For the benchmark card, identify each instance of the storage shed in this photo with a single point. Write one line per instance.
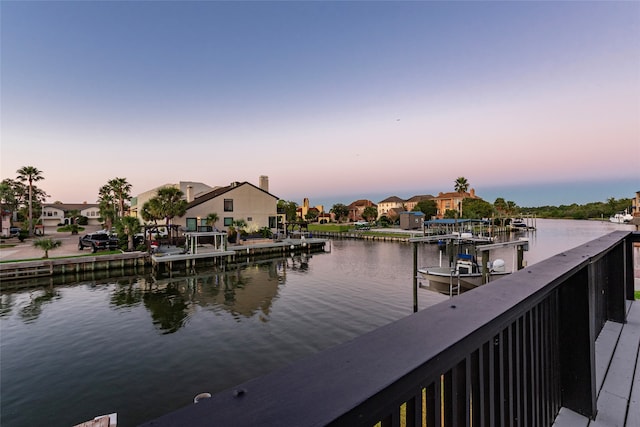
(411, 220)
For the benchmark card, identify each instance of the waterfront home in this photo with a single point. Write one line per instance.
(394, 203)
(237, 201)
(356, 209)
(59, 213)
(306, 208)
(452, 201)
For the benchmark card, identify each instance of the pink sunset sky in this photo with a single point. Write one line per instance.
(331, 100)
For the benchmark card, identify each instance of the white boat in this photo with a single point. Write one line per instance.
(517, 224)
(464, 276)
(467, 273)
(621, 218)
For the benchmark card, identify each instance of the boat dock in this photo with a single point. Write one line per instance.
(175, 258)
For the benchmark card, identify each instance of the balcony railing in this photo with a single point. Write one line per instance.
(512, 352)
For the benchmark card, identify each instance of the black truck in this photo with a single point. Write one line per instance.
(97, 241)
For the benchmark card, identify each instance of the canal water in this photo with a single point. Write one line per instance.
(142, 346)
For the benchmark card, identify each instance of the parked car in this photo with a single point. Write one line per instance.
(97, 241)
(362, 225)
(14, 231)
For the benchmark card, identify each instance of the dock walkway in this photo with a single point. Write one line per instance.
(209, 252)
(617, 376)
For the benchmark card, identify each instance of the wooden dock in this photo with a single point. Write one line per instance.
(206, 254)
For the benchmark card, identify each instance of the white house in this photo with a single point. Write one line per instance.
(54, 214)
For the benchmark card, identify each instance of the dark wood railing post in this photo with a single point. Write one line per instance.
(577, 343)
(415, 277)
(615, 286)
(628, 268)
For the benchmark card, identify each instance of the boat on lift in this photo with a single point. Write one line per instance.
(466, 272)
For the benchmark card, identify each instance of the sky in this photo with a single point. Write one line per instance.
(536, 102)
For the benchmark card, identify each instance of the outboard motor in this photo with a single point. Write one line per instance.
(498, 265)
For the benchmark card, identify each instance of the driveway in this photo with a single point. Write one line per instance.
(26, 250)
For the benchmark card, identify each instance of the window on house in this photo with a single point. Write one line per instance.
(272, 222)
(228, 205)
(228, 221)
(191, 224)
(249, 219)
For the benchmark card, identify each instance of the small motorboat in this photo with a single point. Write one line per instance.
(464, 276)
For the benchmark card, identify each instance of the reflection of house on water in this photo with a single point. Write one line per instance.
(244, 292)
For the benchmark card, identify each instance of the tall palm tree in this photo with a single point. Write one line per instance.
(168, 203)
(461, 186)
(121, 191)
(107, 206)
(30, 174)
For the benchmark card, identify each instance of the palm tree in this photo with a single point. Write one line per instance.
(30, 174)
(46, 245)
(211, 219)
(106, 202)
(171, 203)
(121, 191)
(130, 226)
(461, 186)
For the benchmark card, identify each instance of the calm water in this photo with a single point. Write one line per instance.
(143, 347)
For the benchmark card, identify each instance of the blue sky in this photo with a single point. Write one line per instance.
(332, 100)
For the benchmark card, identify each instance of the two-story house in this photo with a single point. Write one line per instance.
(237, 201)
(59, 213)
(390, 205)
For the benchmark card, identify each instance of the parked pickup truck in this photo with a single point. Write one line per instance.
(97, 241)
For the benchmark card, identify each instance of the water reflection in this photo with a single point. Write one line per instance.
(127, 295)
(38, 299)
(245, 292)
(168, 308)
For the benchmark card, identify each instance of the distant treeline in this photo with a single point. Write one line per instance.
(594, 210)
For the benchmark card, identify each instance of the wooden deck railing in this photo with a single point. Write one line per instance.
(512, 352)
